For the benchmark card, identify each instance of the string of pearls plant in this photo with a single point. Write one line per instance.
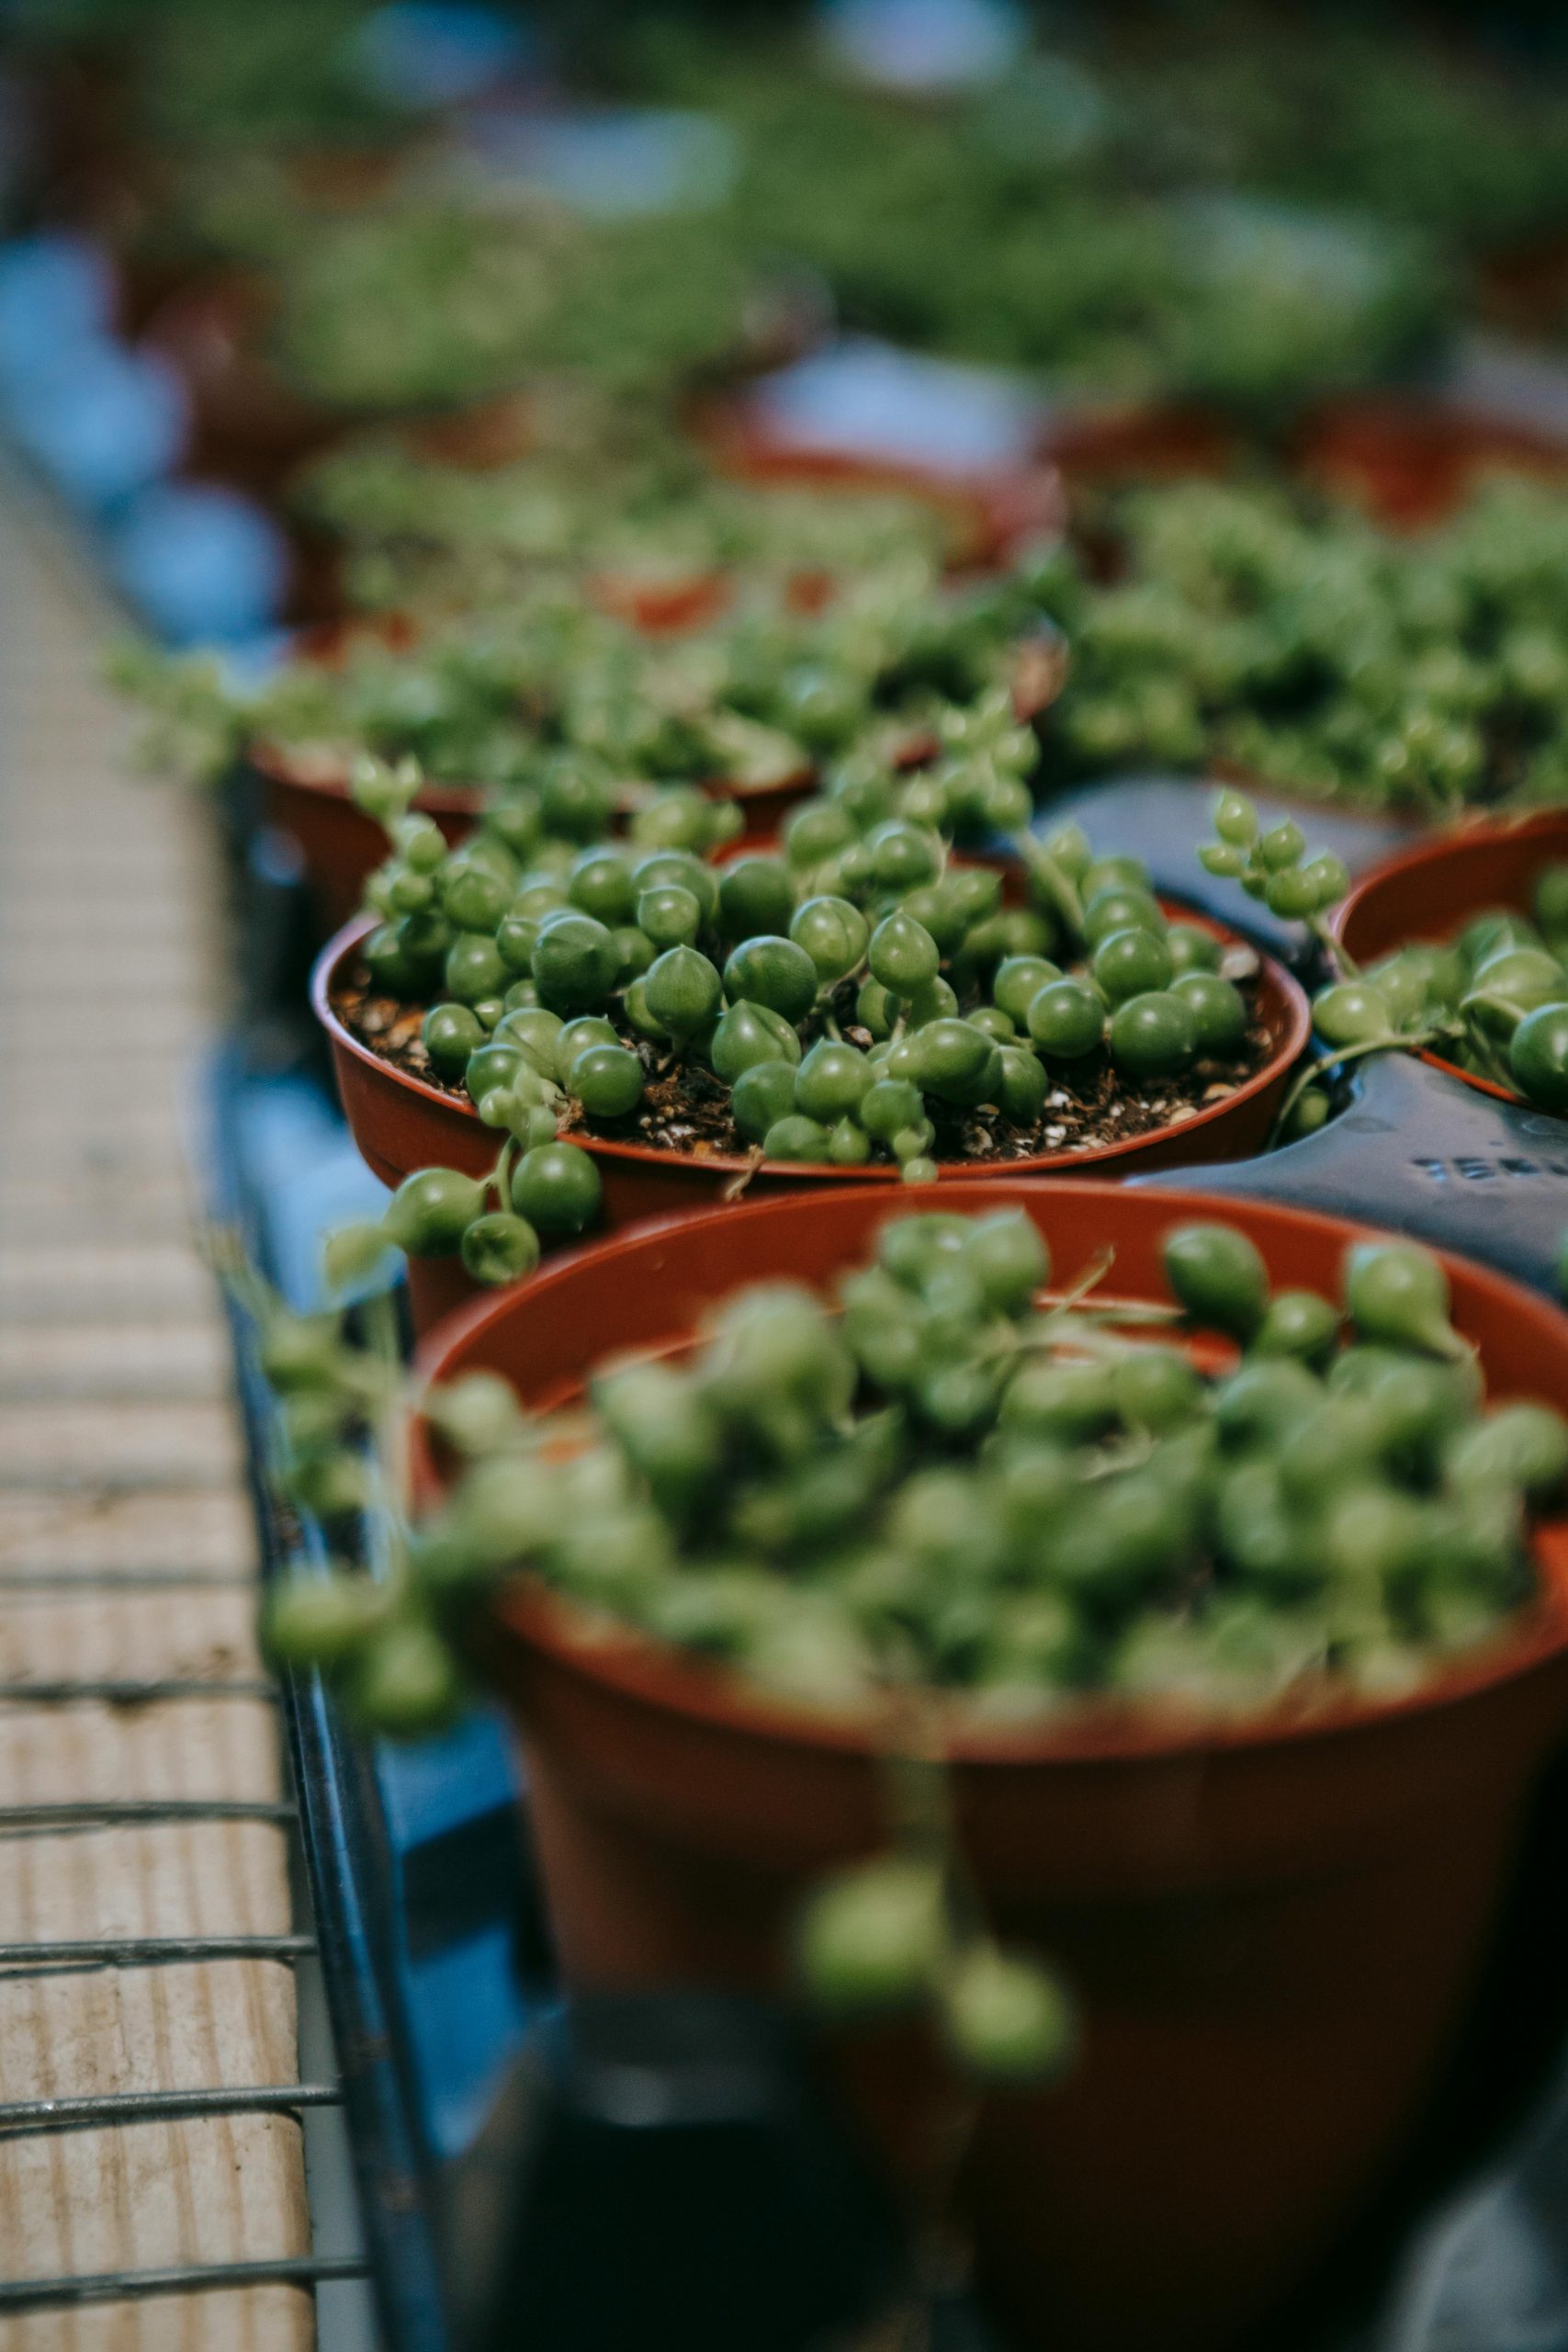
(1493, 998)
(1294, 641)
(860, 995)
(761, 686)
(948, 1496)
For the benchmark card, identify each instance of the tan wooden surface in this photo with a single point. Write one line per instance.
(119, 1459)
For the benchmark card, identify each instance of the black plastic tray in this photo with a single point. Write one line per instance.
(1162, 818)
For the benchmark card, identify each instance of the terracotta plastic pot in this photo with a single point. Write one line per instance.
(316, 592)
(307, 794)
(1432, 891)
(662, 608)
(146, 278)
(351, 177)
(1142, 443)
(994, 511)
(477, 439)
(249, 425)
(1525, 287)
(75, 114)
(1412, 463)
(309, 799)
(1409, 461)
(401, 1124)
(1273, 1926)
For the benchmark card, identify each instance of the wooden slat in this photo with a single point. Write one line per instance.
(175, 1361)
(178, 1532)
(84, 1444)
(192, 1748)
(97, 1283)
(134, 1637)
(197, 1878)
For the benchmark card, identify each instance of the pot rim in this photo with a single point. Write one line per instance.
(1429, 849)
(1092, 1733)
(1298, 1029)
(293, 770)
(1007, 501)
(1468, 427)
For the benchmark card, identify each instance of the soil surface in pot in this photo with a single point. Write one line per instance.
(685, 1109)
